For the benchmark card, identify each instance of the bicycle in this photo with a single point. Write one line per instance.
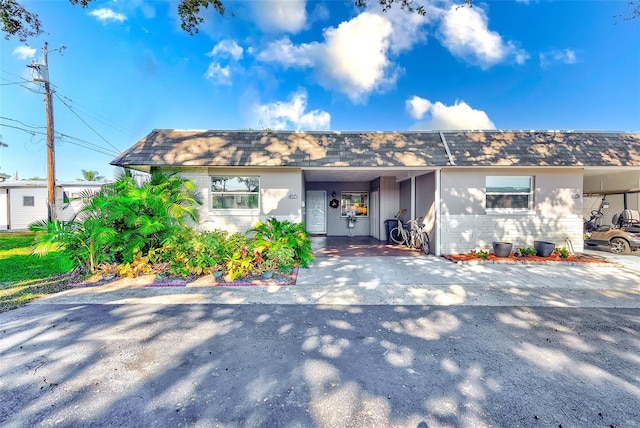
(396, 234)
(399, 234)
(418, 237)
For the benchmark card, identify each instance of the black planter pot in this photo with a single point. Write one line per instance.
(544, 249)
(502, 249)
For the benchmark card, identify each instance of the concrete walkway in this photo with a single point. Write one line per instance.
(410, 280)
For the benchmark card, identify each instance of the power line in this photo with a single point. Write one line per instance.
(22, 123)
(28, 131)
(110, 154)
(96, 115)
(15, 75)
(87, 144)
(85, 122)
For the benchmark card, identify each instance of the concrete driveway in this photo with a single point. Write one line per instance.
(353, 344)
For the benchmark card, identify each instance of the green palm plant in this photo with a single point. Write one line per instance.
(123, 219)
(274, 235)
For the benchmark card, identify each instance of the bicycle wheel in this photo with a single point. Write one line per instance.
(396, 236)
(414, 239)
(405, 236)
(426, 245)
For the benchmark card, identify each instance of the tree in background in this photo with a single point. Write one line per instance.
(18, 21)
(91, 175)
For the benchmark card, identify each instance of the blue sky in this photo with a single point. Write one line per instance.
(313, 65)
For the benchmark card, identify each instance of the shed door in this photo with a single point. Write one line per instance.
(316, 206)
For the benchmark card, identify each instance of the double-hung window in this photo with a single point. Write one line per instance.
(235, 192)
(509, 193)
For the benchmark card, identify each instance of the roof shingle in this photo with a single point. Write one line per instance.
(382, 149)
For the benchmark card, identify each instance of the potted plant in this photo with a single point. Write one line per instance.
(267, 269)
(543, 248)
(216, 271)
(502, 249)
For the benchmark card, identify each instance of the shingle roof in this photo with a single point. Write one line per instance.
(543, 148)
(381, 149)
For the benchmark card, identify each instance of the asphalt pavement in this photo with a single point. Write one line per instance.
(359, 341)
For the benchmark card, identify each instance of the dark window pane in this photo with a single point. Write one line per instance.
(242, 201)
(508, 201)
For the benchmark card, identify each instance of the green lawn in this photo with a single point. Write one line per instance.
(25, 277)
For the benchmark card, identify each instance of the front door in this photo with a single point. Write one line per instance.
(316, 204)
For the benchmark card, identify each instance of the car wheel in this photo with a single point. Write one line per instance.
(619, 246)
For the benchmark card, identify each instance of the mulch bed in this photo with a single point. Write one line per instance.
(470, 258)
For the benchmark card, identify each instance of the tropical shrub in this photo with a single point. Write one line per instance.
(275, 235)
(122, 220)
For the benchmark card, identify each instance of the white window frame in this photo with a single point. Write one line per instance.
(223, 210)
(530, 195)
(31, 198)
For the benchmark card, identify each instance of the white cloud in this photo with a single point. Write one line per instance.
(24, 52)
(354, 57)
(291, 115)
(465, 33)
(285, 53)
(417, 107)
(459, 116)
(105, 14)
(563, 56)
(227, 48)
(219, 74)
(280, 16)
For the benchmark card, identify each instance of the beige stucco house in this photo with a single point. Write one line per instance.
(471, 187)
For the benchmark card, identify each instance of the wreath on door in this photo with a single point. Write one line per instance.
(333, 203)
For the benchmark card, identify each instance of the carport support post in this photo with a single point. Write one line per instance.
(413, 197)
(438, 212)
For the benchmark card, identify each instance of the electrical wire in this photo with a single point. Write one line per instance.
(22, 123)
(85, 122)
(93, 146)
(97, 116)
(15, 75)
(67, 139)
(28, 131)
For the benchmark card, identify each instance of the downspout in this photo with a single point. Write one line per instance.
(413, 198)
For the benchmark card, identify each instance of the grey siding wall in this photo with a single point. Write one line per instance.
(426, 204)
(337, 225)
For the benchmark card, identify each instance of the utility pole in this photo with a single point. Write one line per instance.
(41, 74)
